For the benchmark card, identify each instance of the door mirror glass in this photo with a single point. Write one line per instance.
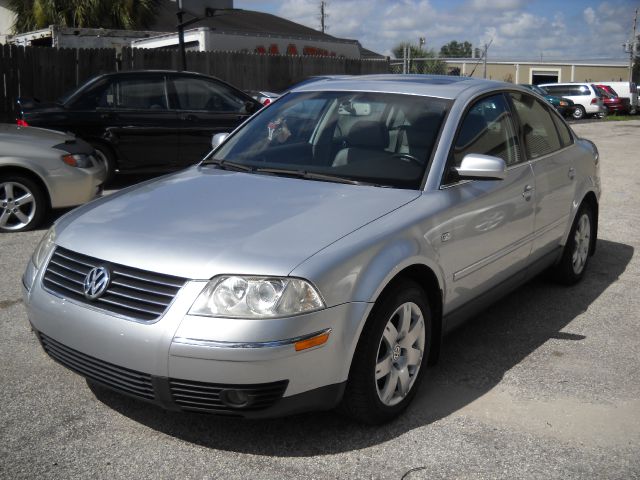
(481, 167)
(217, 139)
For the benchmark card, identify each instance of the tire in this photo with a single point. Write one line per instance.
(390, 360)
(579, 113)
(23, 204)
(575, 256)
(106, 156)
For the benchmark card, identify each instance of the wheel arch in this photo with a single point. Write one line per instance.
(427, 279)
(31, 174)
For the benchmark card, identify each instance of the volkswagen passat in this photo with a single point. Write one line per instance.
(316, 257)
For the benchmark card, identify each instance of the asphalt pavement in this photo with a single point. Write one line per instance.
(543, 385)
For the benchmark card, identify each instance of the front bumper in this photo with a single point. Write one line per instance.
(184, 362)
(71, 186)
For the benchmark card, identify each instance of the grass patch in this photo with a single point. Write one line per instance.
(621, 118)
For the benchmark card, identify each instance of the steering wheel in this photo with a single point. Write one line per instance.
(408, 157)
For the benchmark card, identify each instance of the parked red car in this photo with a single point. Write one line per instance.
(612, 101)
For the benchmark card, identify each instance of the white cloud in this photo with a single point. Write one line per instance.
(519, 28)
(590, 16)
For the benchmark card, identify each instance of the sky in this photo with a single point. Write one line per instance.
(527, 29)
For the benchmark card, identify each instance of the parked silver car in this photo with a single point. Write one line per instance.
(42, 169)
(318, 255)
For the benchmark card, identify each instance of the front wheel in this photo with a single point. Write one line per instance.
(23, 204)
(575, 256)
(390, 358)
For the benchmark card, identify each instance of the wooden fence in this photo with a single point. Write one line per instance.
(47, 73)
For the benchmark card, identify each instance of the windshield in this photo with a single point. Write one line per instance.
(380, 138)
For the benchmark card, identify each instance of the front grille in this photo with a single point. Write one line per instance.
(134, 293)
(205, 397)
(119, 378)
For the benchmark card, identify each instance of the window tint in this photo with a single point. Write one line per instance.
(487, 129)
(568, 90)
(538, 129)
(135, 93)
(200, 94)
(563, 130)
(379, 138)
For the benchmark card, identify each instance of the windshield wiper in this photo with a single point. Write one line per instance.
(227, 165)
(324, 177)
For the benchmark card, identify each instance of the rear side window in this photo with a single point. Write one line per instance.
(136, 93)
(563, 131)
(205, 95)
(487, 129)
(568, 90)
(537, 126)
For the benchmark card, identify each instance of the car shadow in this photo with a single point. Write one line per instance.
(474, 360)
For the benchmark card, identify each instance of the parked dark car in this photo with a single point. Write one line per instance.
(564, 106)
(144, 121)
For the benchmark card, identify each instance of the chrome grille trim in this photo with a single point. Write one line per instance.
(133, 294)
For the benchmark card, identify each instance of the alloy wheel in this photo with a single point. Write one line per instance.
(582, 243)
(400, 354)
(18, 206)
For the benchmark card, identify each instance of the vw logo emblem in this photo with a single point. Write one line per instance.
(96, 282)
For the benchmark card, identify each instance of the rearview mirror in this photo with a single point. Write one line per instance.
(217, 139)
(482, 167)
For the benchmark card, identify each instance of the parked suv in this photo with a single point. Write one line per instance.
(148, 121)
(585, 96)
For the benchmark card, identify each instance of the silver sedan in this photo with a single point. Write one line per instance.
(42, 169)
(319, 254)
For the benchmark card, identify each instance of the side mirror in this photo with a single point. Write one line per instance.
(482, 167)
(251, 107)
(217, 139)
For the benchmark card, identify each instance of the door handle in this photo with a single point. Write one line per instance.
(528, 192)
(190, 118)
(108, 116)
(572, 173)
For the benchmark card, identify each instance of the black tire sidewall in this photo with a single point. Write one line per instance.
(362, 375)
(564, 272)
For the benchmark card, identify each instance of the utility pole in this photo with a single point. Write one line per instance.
(323, 16)
(634, 47)
(484, 63)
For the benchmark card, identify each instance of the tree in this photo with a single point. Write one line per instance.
(454, 49)
(427, 61)
(122, 14)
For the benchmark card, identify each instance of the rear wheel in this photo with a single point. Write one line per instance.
(23, 204)
(575, 256)
(389, 360)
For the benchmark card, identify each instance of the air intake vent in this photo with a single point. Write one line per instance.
(119, 378)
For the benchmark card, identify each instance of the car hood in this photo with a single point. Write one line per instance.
(204, 221)
(32, 136)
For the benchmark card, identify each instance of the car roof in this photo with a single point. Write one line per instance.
(441, 86)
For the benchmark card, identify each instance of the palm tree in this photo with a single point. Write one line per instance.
(122, 14)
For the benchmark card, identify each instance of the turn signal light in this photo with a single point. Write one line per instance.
(312, 342)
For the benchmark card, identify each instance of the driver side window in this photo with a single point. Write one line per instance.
(487, 129)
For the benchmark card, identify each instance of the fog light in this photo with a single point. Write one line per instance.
(234, 398)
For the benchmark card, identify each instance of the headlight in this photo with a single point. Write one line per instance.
(43, 248)
(79, 160)
(256, 297)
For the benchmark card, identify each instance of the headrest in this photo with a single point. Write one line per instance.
(368, 134)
